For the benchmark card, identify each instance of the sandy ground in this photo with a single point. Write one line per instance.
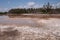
(29, 29)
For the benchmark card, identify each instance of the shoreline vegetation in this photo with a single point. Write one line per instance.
(34, 16)
(46, 9)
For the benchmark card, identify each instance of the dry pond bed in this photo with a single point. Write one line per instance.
(29, 29)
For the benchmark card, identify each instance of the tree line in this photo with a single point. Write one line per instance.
(47, 8)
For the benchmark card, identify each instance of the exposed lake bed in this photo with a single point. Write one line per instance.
(29, 28)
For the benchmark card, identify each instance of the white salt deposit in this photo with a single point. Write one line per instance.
(51, 28)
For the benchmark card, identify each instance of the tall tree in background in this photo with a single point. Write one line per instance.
(47, 8)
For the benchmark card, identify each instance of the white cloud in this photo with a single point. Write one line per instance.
(54, 6)
(31, 4)
(58, 5)
(4, 9)
(27, 5)
(8, 2)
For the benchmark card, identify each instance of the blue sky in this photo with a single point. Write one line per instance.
(8, 4)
